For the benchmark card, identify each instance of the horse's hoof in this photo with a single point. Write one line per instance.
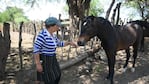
(132, 69)
(124, 69)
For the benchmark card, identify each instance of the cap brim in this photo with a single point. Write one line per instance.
(59, 24)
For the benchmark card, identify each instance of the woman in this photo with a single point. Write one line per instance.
(48, 69)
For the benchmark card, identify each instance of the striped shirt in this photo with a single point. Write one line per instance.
(46, 43)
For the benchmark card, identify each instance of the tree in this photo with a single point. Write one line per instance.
(109, 9)
(33, 3)
(78, 8)
(13, 14)
(141, 6)
(95, 8)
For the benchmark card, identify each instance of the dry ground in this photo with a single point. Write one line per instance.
(140, 76)
(71, 76)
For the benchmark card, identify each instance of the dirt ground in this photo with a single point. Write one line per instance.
(100, 71)
(72, 75)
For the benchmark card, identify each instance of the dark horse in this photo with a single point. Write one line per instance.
(112, 39)
(145, 26)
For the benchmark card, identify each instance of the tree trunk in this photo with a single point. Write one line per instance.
(113, 16)
(77, 9)
(109, 10)
(80, 58)
(142, 9)
(4, 48)
(118, 13)
(117, 8)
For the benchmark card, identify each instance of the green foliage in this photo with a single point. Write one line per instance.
(66, 8)
(95, 8)
(99, 68)
(139, 5)
(4, 17)
(33, 3)
(13, 14)
(133, 4)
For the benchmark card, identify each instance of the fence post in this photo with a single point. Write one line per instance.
(20, 47)
(4, 48)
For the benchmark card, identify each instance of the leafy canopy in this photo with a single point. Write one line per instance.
(95, 8)
(13, 14)
(142, 6)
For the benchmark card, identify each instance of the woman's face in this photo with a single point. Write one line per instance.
(57, 28)
(53, 28)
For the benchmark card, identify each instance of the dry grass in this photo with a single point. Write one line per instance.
(27, 40)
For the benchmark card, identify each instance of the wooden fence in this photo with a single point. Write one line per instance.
(67, 56)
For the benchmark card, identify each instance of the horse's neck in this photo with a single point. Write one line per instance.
(107, 33)
(105, 30)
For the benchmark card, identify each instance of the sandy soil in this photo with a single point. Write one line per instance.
(100, 71)
(72, 75)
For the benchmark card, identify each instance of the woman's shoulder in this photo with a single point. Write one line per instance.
(43, 32)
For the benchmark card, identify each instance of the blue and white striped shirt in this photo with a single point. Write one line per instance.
(46, 43)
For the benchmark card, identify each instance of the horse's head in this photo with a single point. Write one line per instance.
(88, 30)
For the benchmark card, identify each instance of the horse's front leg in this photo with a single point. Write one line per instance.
(111, 63)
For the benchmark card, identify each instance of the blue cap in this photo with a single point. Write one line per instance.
(53, 20)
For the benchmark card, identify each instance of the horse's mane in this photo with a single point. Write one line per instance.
(104, 23)
(102, 19)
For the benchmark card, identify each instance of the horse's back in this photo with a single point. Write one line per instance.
(144, 25)
(127, 35)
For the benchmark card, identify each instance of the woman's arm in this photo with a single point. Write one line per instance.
(37, 62)
(62, 43)
(70, 43)
(36, 51)
(37, 59)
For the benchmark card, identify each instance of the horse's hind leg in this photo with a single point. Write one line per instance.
(142, 45)
(127, 59)
(136, 46)
(135, 53)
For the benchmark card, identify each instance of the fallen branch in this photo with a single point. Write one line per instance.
(79, 58)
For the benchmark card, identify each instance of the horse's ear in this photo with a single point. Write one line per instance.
(92, 17)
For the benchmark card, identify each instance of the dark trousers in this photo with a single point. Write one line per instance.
(54, 82)
(51, 71)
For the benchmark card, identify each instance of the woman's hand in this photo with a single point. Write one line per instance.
(38, 63)
(73, 44)
(39, 67)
